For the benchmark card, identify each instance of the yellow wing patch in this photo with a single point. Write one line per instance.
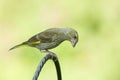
(37, 42)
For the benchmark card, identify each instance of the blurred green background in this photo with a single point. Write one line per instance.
(95, 57)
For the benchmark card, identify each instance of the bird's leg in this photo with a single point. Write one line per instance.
(43, 51)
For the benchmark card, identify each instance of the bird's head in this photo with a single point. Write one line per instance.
(72, 36)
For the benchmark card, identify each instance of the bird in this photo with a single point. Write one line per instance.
(51, 38)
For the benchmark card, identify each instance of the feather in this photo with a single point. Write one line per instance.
(37, 42)
(24, 43)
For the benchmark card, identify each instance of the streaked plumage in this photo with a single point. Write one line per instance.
(51, 38)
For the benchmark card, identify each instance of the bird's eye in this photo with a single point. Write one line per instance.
(75, 37)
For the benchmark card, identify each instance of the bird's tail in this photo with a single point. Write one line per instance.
(24, 43)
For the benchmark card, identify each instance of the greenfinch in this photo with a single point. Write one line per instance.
(51, 38)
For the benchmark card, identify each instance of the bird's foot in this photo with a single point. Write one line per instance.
(43, 51)
(52, 55)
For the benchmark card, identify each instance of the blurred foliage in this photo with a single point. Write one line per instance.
(96, 56)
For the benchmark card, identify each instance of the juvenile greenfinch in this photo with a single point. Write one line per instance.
(51, 38)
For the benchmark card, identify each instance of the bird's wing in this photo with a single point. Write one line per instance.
(47, 36)
(44, 37)
(34, 40)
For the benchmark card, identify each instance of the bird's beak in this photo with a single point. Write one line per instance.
(73, 42)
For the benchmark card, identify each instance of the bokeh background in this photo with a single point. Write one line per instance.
(95, 57)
